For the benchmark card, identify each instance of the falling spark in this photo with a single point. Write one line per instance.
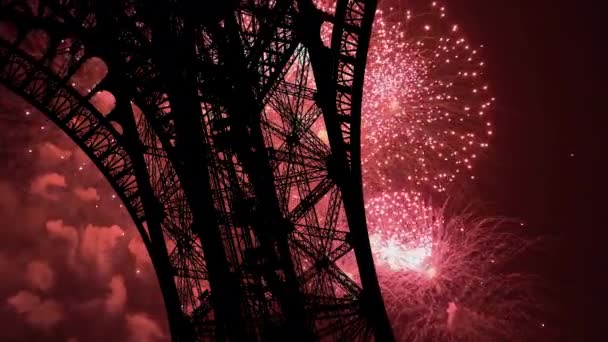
(425, 103)
(443, 275)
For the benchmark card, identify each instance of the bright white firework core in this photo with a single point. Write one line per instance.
(400, 257)
(402, 233)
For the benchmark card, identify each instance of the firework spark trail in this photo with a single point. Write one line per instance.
(442, 276)
(425, 103)
(424, 123)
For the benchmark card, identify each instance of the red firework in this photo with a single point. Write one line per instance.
(444, 278)
(425, 102)
(424, 123)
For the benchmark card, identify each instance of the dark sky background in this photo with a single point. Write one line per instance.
(545, 63)
(546, 60)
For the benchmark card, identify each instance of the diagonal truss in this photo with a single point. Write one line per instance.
(233, 140)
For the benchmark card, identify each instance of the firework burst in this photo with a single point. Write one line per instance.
(425, 103)
(424, 123)
(447, 278)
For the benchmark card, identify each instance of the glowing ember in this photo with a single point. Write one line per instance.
(424, 124)
(400, 231)
(400, 257)
(425, 103)
(440, 275)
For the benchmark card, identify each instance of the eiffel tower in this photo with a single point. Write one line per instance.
(233, 139)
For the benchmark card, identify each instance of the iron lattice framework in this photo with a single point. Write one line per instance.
(233, 140)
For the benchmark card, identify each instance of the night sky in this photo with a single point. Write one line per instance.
(546, 63)
(72, 265)
(67, 270)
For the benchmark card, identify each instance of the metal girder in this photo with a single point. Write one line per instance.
(216, 147)
(339, 72)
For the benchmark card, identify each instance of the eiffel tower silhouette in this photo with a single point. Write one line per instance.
(231, 132)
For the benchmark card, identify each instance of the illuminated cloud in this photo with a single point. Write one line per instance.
(96, 245)
(104, 101)
(87, 194)
(46, 315)
(24, 301)
(80, 158)
(138, 250)
(41, 314)
(52, 153)
(69, 284)
(39, 275)
(143, 329)
(93, 244)
(117, 298)
(41, 184)
(57, 229)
